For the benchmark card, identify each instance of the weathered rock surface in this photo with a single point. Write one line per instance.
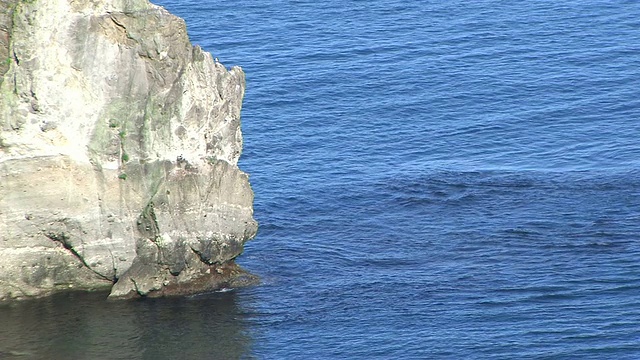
(119, 145)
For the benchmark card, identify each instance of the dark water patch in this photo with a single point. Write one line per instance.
(86, 325)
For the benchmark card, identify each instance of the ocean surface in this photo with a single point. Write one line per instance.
(433, 180)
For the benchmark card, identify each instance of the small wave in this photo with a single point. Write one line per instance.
(10, 354)
(523, 232)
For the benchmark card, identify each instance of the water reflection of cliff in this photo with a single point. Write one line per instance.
(85, 326)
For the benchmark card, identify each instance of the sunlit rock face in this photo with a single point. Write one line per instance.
(119, 144)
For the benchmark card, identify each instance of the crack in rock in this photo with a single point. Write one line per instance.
(63, 239)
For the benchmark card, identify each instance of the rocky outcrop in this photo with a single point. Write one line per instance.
(119, 146)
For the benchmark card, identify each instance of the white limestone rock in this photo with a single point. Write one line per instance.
(119, 144)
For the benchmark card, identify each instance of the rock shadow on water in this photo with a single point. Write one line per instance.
(80, 325)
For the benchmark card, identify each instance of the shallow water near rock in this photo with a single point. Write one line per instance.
(84, 326)
(432, 180)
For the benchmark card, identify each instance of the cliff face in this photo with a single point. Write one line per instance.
(119, 145)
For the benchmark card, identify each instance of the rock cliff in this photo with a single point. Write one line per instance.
(119, 144)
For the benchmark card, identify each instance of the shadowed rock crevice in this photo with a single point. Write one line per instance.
(63, 239)
(148, 224)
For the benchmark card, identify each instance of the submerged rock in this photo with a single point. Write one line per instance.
(119, 145)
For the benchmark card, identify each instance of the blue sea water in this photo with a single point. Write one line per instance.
(433, 179)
